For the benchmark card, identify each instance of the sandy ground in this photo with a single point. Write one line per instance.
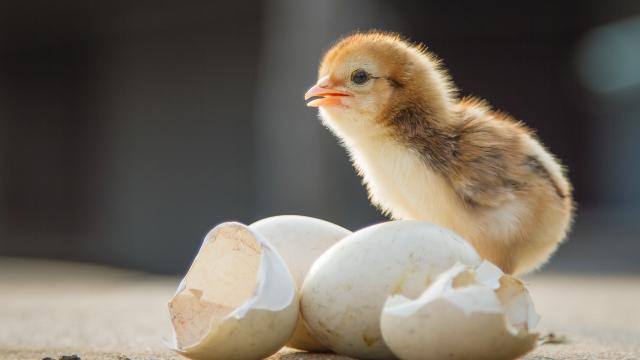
(50, 308)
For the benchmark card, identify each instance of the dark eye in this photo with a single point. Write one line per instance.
(359, 77)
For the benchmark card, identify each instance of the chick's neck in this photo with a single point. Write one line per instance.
(425, 124)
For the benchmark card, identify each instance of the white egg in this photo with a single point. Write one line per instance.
(466, 313)
(346, 288)
(300, 240)
(237, 301)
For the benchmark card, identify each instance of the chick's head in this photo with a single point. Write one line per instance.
(368, 78)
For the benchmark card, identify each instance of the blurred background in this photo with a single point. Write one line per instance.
(129, 128)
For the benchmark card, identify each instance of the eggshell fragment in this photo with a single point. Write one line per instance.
(346, 288)
(237, 301)
(466, 314)
(300, 240)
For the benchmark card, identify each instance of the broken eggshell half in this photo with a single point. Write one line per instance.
(237, 301)
(300, 240)
(345, 290)
(466, 313)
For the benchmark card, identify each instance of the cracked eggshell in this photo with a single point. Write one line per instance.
(466, 314)
(237, 301)
(344, 293)
(300, 240)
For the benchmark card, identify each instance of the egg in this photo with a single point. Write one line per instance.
(346, 288)
(300, 240)
(466, 313)
(237, 301)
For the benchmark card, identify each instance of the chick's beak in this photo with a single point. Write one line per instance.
(327, 94)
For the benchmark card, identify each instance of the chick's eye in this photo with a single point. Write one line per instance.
(359, 77)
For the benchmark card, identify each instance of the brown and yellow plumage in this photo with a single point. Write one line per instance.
(426, 154)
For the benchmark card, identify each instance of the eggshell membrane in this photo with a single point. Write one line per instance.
(346, 288)
(237, 301)
(463, 315)
(300, 240)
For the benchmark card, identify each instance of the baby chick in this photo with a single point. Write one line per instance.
(425, 154)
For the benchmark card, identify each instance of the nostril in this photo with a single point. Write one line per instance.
(324, 82)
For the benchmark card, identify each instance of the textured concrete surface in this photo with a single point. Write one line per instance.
(50, 308)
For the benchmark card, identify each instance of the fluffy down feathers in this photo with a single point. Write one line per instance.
(426, 154)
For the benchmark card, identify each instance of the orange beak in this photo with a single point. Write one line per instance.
(327, 95)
